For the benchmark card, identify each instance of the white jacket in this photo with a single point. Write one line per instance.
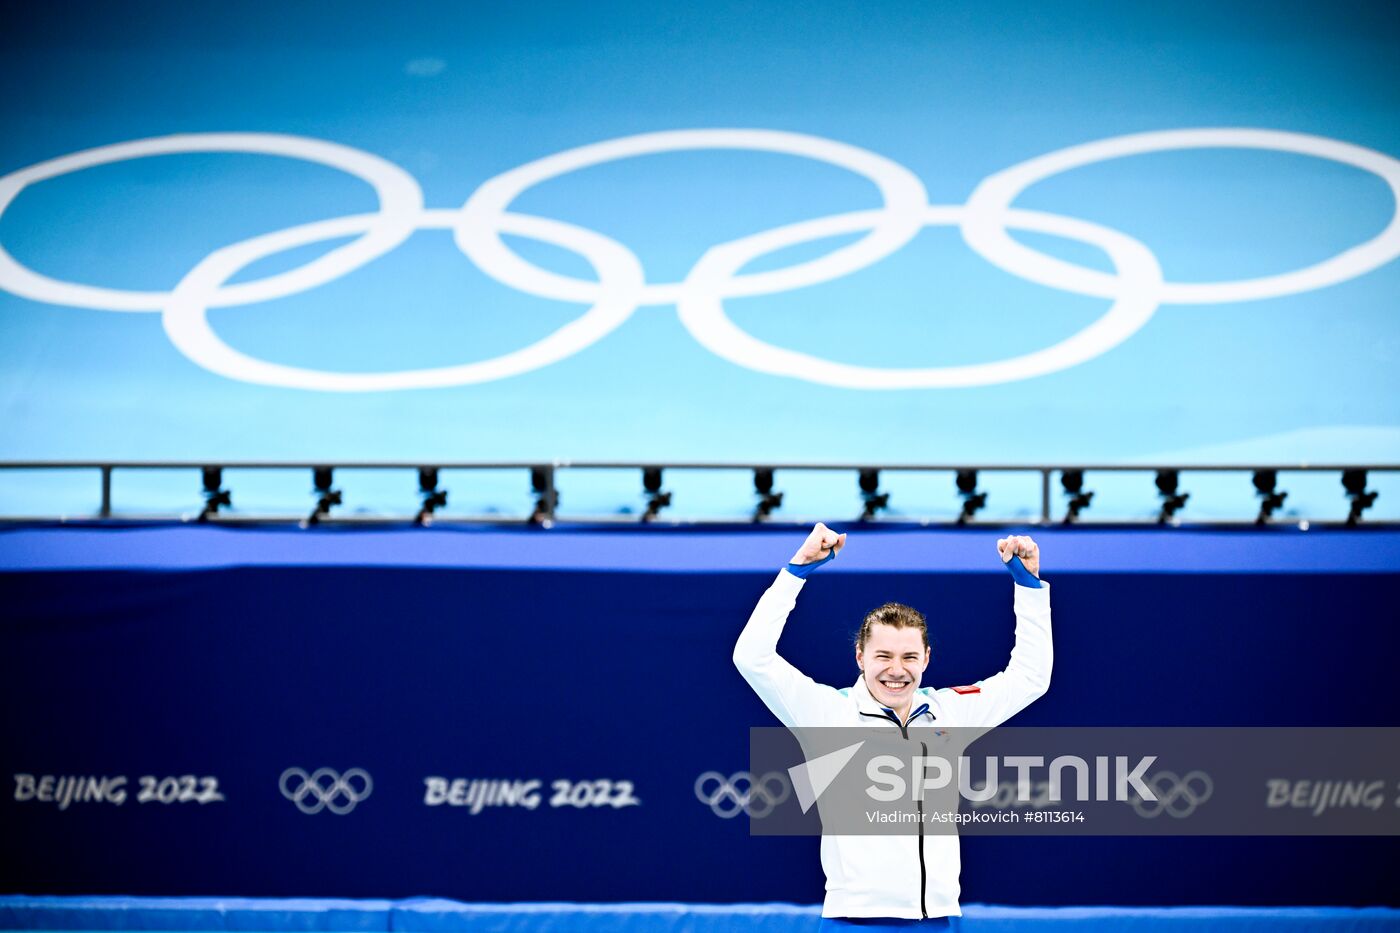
(886, 876)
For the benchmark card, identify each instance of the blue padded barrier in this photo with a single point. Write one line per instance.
(432, 915)
(194, 913)
(986, 919)
(451, 916)
(446, 916)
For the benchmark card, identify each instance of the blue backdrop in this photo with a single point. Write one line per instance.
(503, 658)
(1302, 98)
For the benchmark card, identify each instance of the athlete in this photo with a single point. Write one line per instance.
(887, 876)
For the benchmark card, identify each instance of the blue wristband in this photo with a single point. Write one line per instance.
(801, 570)
(1021, 575)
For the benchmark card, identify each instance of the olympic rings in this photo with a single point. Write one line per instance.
(327, 789)
(702, 308)
(742, 792)
(400, 200)
(187, 324)
(1135, 287)
(985, 234)
(1178, 796)
(901, 189)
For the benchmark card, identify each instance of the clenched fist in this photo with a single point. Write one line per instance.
(1019, 546)
(821, 542)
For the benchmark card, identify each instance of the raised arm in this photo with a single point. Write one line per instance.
(992, 701)
(795, 698)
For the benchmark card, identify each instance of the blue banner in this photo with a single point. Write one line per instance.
(365, 730)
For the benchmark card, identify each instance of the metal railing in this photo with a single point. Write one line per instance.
(545, 485)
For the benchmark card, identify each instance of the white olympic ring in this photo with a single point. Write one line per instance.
(325, 795)
(702, 307)
(1136, 287)
(400, 201)
(901, 189)
(740, 792)
(1170, 791)
(986, 234)
(187, 324)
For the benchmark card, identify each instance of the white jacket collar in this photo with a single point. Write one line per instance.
(865, 700)
(867, 703)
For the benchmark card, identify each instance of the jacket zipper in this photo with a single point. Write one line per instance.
(923, 868)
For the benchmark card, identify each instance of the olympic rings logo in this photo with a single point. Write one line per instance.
(741, 792)
(1135, 288)
(324, 789)
(1178, 796)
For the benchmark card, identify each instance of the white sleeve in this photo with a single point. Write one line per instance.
(795, 698)
(1025, 679)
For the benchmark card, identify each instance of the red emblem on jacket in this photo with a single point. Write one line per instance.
(969, 689)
